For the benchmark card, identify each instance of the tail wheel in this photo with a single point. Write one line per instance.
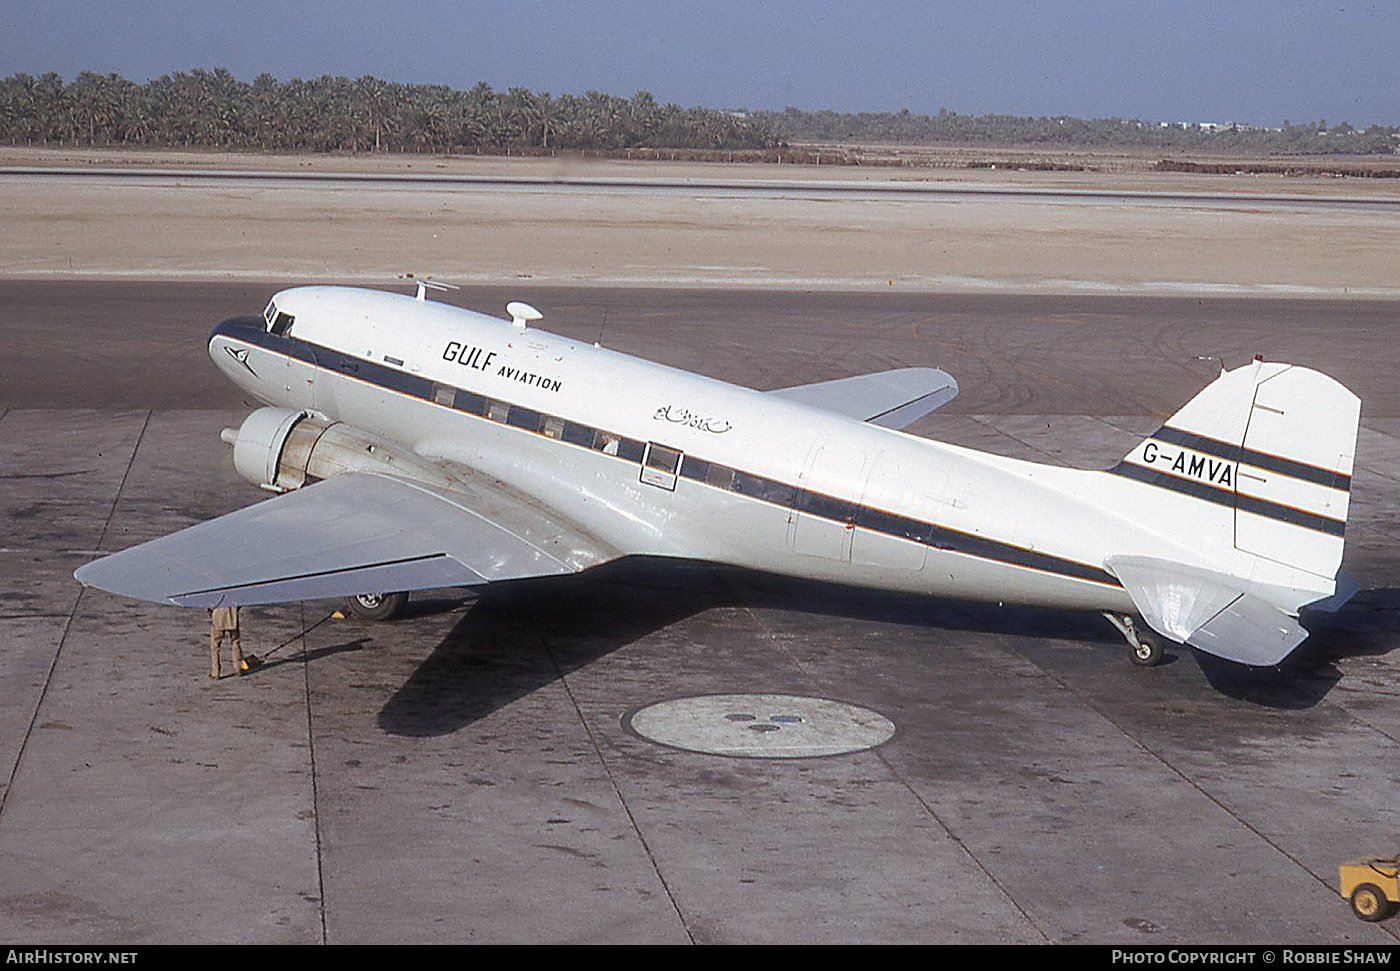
(1144, 647)
(1147, 651)
(377, 606)
(1369, 903)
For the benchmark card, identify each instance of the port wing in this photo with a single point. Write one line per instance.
(351, 534)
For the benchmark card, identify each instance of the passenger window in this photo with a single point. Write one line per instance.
(827, 507)
(663, 458)
(553, 428)
(766, 489)
(473, 403)
(659, 466)
(524, 418)
(606, 442)
(578, 434)
(720, 476)
(693, 468)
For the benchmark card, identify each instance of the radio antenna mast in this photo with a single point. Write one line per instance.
(425, 283)
(601, 328)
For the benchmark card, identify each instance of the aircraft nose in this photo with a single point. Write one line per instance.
(244, 329)
(236, 328)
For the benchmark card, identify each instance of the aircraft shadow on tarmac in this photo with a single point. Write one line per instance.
(516, 638)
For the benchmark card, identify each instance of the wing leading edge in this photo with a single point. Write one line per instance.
(891, 399)
(352, 534)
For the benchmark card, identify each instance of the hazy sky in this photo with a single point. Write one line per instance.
(1258, 61)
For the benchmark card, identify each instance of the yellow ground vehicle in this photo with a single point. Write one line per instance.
(1371, 885)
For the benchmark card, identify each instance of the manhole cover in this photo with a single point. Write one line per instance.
(761, 726)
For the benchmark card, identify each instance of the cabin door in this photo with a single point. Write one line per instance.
(829, 490)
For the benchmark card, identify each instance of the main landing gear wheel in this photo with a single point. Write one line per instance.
(1145, 647)
(377, 606)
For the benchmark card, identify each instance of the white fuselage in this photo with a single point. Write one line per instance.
(759, 482)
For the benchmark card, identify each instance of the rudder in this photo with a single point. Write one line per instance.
(1294, 483)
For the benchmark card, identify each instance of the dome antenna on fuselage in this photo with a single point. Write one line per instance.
(425, 283)
(521, 314)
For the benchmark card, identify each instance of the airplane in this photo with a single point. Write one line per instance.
(411, 444)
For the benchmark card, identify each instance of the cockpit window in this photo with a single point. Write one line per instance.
(278, 321)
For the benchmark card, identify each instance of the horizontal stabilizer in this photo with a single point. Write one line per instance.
(891, 399)
(351, 534)
(1206, 610)
(1249, 631)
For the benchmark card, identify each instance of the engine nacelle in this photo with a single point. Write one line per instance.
(258, 445)
(279, 450)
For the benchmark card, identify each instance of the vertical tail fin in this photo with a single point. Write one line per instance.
(1254, 474)
(1268, 450)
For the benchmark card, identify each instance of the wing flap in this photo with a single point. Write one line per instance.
(891, 399)
(418, 573)
(351, 534)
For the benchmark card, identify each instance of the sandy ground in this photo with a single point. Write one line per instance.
(1123, 169)
(70, 225)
